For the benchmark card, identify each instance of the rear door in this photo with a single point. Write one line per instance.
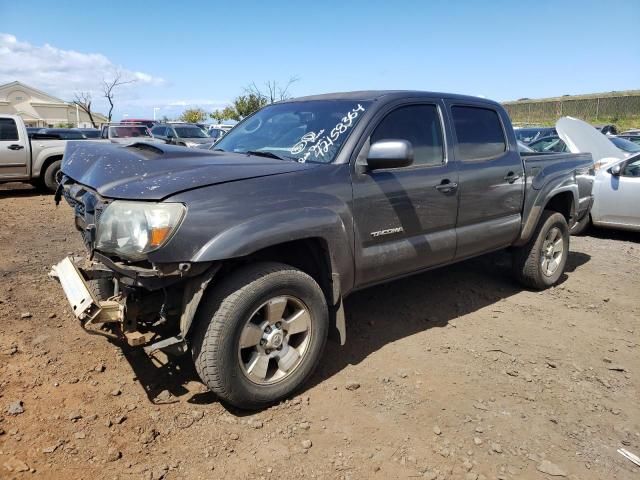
(618, 197)
(404, 219)
(491, 177)
(14, 151)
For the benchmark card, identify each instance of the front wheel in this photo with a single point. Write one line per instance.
(260, 334)
(540, 263)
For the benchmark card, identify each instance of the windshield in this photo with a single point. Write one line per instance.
(624, 144)
(125, 132)
(311, 131)
(190, 132)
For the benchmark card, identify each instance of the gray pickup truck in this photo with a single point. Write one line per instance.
(22, 159)
(242, 256)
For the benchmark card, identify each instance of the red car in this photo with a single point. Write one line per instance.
(140, 121)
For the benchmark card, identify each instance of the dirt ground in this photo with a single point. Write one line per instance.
(458, 373)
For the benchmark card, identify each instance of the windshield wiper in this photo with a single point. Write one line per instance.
(263, 153)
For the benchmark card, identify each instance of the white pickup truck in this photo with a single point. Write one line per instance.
(22, 159)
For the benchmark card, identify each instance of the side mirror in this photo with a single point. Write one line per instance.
(390, 154)
(615, 170)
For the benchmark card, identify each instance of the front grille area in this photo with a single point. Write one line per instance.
(87, 206)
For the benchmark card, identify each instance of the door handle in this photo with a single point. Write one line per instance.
(511, 177)
(15, 147)
(446, 186)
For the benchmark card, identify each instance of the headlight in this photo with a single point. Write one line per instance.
(133, 229)
(191, 144)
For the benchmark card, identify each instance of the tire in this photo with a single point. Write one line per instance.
(528, 260)
(49, 176)
(581, 227)
(102, 288)
(242, 303)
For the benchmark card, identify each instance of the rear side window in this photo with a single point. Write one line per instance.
(479, 133)
(420, 125)
(8, 129)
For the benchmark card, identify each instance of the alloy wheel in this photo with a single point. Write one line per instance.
(274, 340)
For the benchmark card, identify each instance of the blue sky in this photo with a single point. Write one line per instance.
(191, 53)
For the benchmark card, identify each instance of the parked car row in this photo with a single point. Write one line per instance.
(554, 143)
(177, 133)
(62, 133)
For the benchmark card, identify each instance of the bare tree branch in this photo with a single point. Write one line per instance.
(273, 91)
(83, 101)
(109, 87)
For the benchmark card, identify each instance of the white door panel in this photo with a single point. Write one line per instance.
(617, 200)
(13, 150)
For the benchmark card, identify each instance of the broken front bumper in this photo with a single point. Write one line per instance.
(84, 304)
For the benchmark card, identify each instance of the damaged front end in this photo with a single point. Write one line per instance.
(147, 304)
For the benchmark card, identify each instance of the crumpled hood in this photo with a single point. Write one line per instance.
(581, 137)
(146, 171)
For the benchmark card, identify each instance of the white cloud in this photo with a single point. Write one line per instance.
(61, 72)
(64, 72)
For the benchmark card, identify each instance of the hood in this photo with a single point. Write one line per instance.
(582, 137)
(197, 140)
(144, 171)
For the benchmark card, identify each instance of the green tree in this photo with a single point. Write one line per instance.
(242, 107)
(193, 115)
(254, 99)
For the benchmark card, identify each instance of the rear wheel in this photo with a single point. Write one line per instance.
(260, 334)
(50, 177)
(540, 263)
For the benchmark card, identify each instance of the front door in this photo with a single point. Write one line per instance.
(491, 176)
(618, 197)
(405, 217)
(13, 150)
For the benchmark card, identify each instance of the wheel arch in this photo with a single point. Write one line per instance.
(563, 199)
(310, 255)
(562, 202)
(45, 164)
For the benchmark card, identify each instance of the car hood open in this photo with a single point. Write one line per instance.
(580, 137)
(146, 171)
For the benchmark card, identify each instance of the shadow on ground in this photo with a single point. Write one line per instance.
(375, 317)
(15, 190)
(611, 234)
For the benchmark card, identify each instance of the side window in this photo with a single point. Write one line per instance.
(479, 133)
(631, 169)
(8, 129)
(420, 125)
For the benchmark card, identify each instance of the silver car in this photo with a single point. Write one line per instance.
(617, 195)
(185, 134)
(616, 189)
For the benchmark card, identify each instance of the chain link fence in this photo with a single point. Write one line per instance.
(623, 107)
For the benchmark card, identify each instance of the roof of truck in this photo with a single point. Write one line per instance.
(369, 95)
